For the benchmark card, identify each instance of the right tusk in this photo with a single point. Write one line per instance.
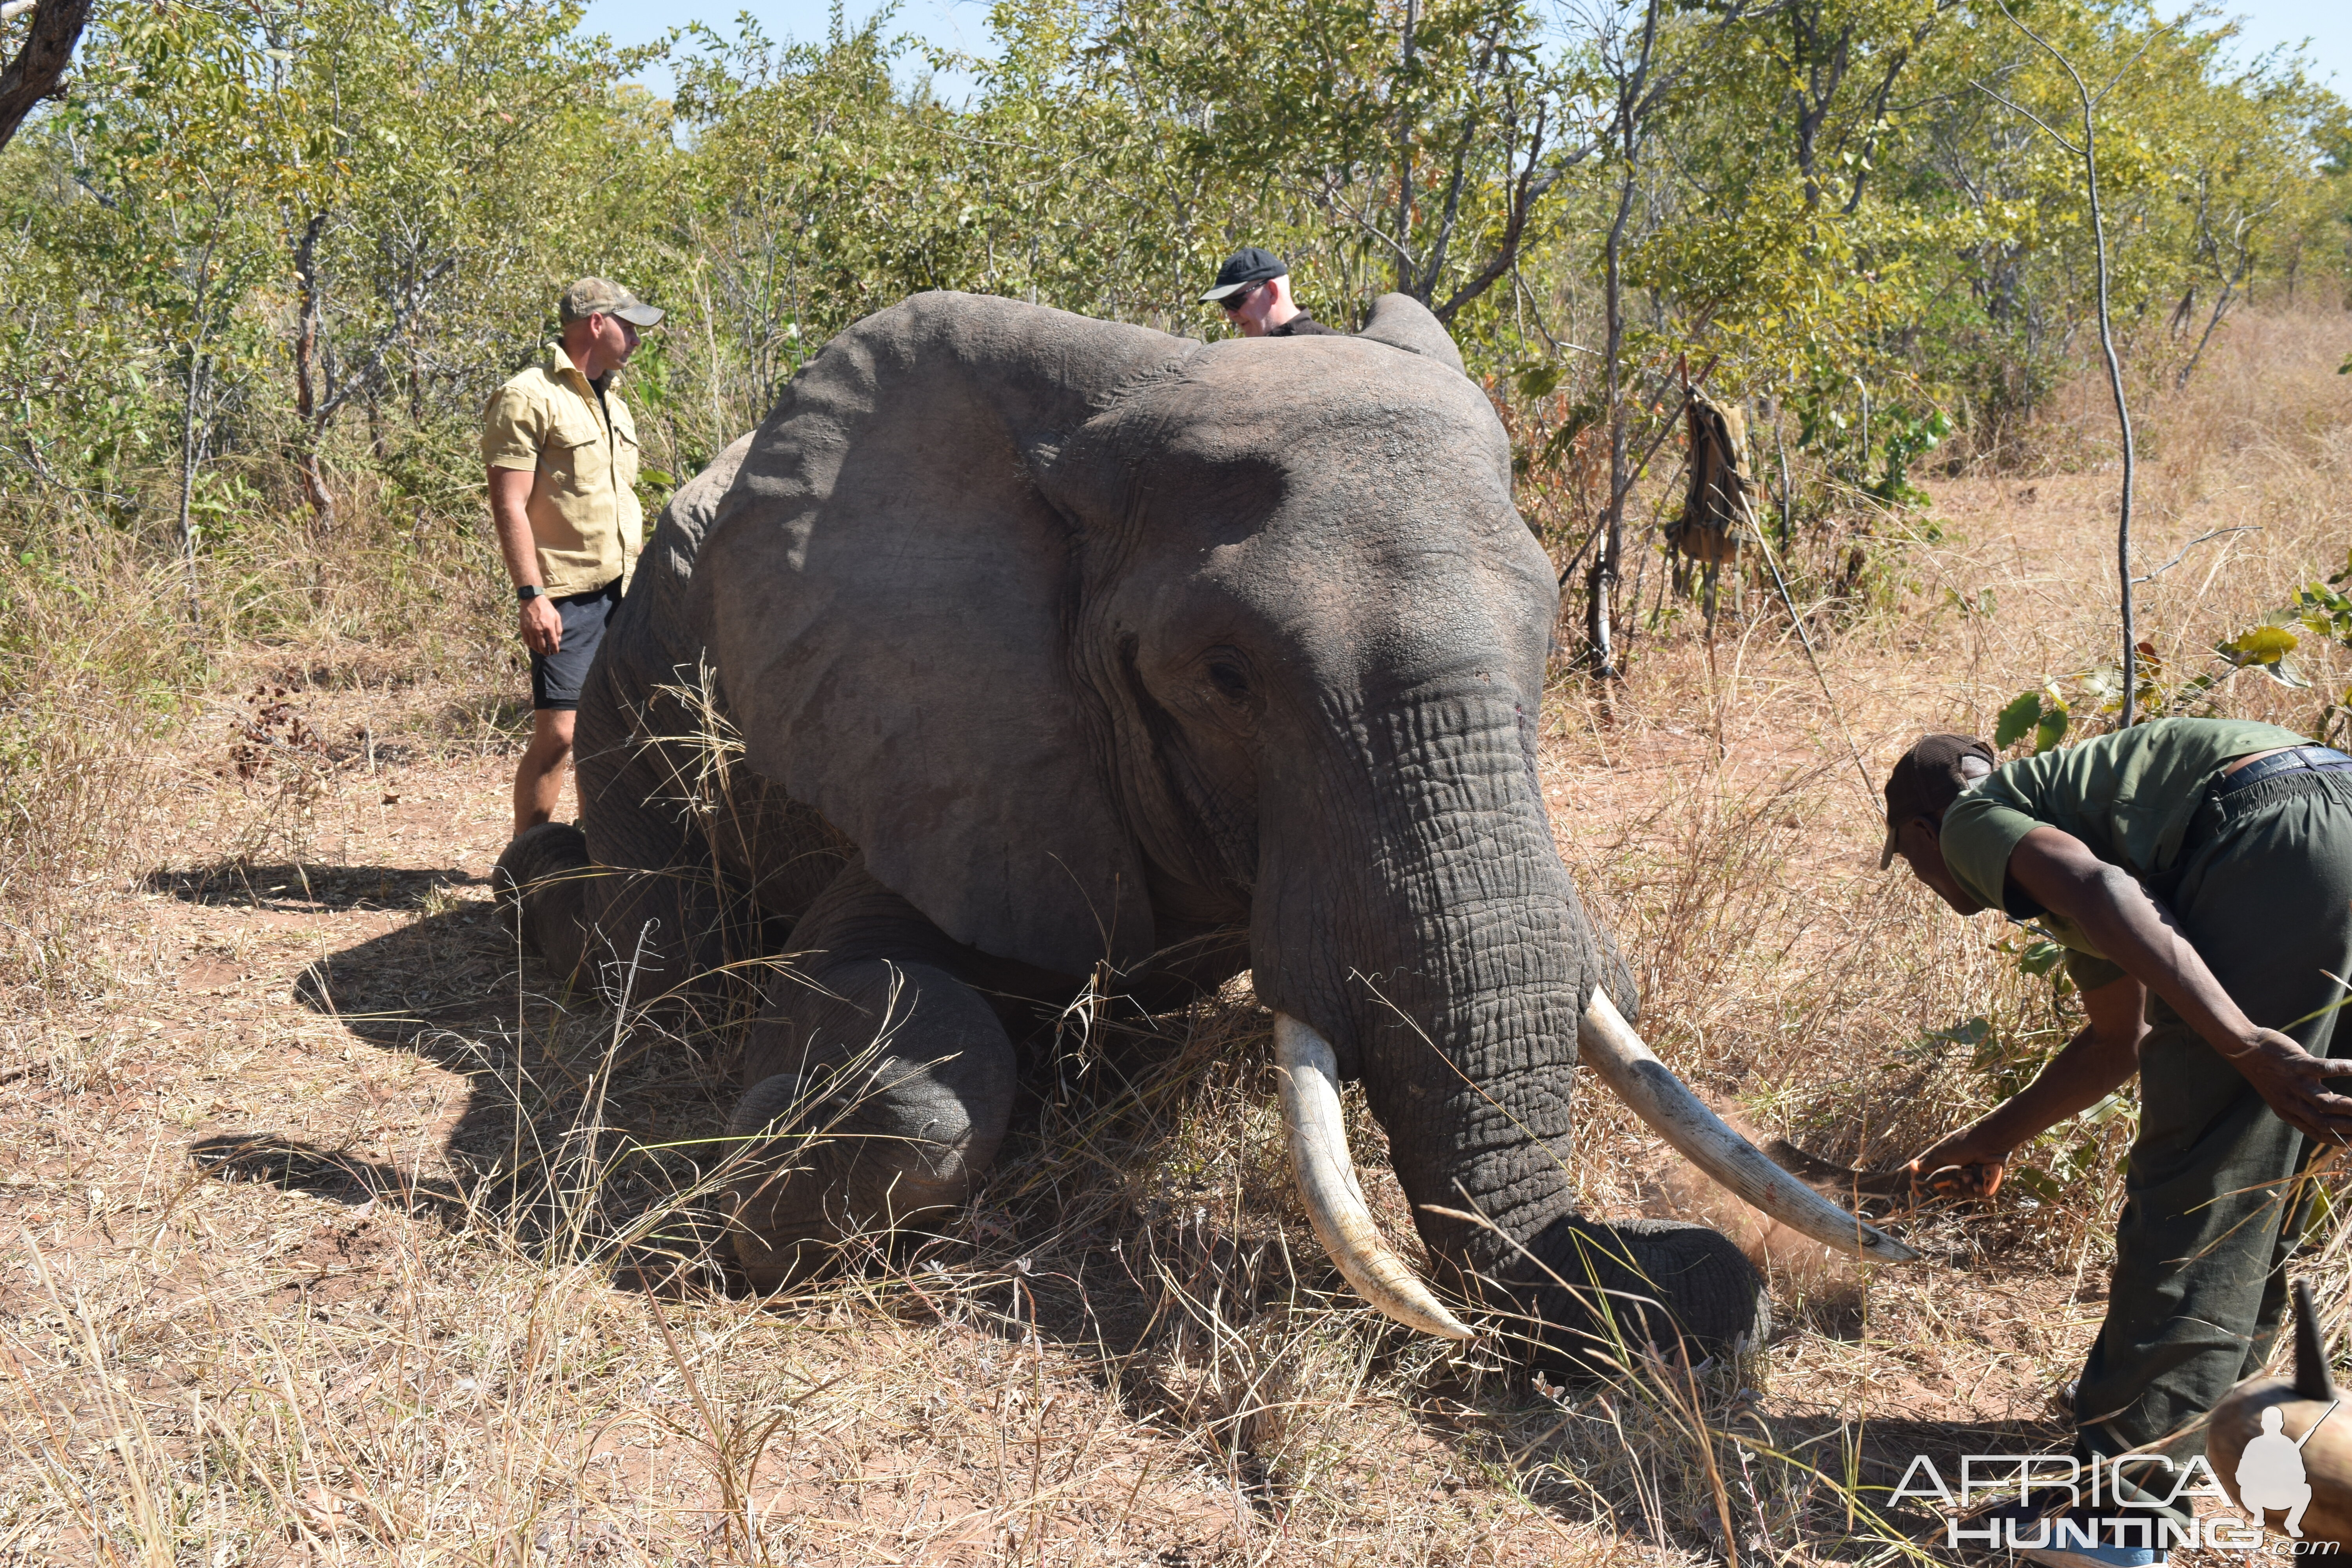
(1326, 1185)
(1611, 1048)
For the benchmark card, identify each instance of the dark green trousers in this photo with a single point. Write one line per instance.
(2211, 1206)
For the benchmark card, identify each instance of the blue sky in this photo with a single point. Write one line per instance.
(963, 24)
(954, 24)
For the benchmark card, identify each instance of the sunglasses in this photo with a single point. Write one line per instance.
(1236, 301)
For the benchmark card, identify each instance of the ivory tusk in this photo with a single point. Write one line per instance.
(1327, 1183)
(1611, 1048)
(15, 8)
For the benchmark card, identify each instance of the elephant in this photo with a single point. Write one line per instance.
(1066, 653)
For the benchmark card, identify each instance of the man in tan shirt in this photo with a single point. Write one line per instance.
(561, 449)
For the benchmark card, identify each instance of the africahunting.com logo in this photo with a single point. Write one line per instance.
(2127, 1500)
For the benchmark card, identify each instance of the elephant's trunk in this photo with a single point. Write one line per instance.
(1451, 966)
(1411, 908)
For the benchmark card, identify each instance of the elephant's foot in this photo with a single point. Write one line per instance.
(541, 880)
(1607, 1291)
(652, 938)
(894, 1100)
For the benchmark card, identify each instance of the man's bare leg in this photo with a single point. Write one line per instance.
(538, 778)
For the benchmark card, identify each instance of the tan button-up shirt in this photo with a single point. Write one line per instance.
(583, 511)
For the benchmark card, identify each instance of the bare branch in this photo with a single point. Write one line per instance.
(2047, 128)
(2209, 534)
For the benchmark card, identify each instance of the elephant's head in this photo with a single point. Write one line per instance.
(1098, 640)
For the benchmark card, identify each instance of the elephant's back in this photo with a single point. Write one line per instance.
(652, 645)
(641, 730)
(664, 574)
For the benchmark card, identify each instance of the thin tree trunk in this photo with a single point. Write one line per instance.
(1634, 591)
(306, 401)
(2220, 305)
(2179, 321)
(1780, 447)
(189, 457)
(1404, 154)
(2089, 152)
(1600, 582)
(719, 436)
(2123, 409)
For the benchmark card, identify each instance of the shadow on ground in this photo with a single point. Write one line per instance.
(574, 1144)
(312, 887)
(574, 1140)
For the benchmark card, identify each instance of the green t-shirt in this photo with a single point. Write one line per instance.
(2128, 796)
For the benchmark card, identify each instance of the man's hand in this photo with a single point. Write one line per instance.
(2288, 1078)
(1968, 1164)
(2099, 1060)
(542, 626)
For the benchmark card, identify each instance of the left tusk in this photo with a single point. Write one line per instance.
(1326, 1185)
(1609, 1047)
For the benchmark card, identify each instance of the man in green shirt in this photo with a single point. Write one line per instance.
(2199, 874)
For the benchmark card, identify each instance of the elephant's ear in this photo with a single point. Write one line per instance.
(1403, 321)
(887, 595)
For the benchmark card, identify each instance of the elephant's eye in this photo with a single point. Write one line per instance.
(1230, 678)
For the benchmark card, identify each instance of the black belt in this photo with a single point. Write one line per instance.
(2300, 759)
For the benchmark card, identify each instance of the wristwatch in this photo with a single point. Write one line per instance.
(528, 592)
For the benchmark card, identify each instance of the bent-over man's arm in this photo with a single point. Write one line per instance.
(2099, 1060)
(2059, 872)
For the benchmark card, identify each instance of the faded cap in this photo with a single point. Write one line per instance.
(603, 296)
(1929, 777)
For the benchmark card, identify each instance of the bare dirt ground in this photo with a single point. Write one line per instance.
(335, 1236)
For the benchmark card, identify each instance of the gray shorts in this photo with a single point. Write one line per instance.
(556, 677)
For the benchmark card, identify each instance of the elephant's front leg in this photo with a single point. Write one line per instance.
(877, 1084)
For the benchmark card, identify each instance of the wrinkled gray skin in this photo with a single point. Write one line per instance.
(1052, 641)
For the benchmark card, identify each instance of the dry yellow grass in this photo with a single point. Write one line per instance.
(331, 1238)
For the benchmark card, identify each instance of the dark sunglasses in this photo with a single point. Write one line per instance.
(1236, 301)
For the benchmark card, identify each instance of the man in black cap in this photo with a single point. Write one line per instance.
(2199, 873)
(1253, 286)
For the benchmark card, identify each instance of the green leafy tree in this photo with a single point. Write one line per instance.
(171, 139)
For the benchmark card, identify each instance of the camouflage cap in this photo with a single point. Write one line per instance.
(603, 296)
(1929, 777)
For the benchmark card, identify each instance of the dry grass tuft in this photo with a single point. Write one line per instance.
(338, 1237)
